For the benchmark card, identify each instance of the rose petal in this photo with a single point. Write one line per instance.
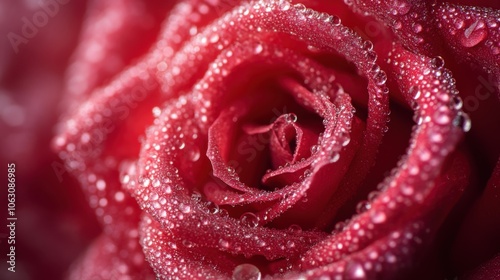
(108, 258)
(433, 139)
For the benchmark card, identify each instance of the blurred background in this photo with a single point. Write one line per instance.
(54, 224)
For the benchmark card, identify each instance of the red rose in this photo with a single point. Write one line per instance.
(287, 141)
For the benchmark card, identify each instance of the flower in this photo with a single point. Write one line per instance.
(239, 143)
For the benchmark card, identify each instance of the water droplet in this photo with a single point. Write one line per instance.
(463, 121)
(249, 219)
(417, 28)
(334, 157)
(437, 62)
(300, 7)
(184, 208)
(441, 118)
(334, 20)
(390, 258)
(346, 141)
(355, 270)
(415, 92)
(398, 25)
(156, 183)
(261, 243)
(378, 217)
(368, 45)
(223, 213)
(100, 185)
(214, 38)
(362, 206)
(246, 271)
(339, 226)
(457, 103)
(194, 154)
(224, 243)
(474, 34)
(258, 49)
(371, 56)
(119, 196)
(401, 6)
(291, 118)
(314, 149)
(295, 228)
(187, 243)
(380, 78)
(284, 5)
(407, 189)
(212, 207)
(196, 196)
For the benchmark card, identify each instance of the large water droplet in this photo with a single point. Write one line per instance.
(184, 208)
(249, 219)
(295, 228)
(355, 270)
(212, 207)
(334, 157)
(290, 118)
(378, 217)
(463, 121)
(380, 78)
(474, 34)
(401, 6)
(246, 271)
(224, 243)
(194, 154)
(437, 62)
(407, 189)
(457, 103)
(300, 7)
(362, 206)
(368, 45)
(284, 5)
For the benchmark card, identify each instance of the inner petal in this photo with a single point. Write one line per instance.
(289, 140)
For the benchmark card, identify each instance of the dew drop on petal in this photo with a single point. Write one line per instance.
(284, 5)
(212, 207)
(187, 243)
(258, 49)
(415, 92)
(437, 62)
(473, 35)
(335, 157)
(355, 270)
(407, 190)
(295, 228)
(335, 20)
(378, 217)
(300, 7)
(457, 102)
(368, 45)
(249, 219)
(314, 149)
(184, 208)
(380, 78)
(101, 185)
(246, 272)
(463, 121)
(362, 206)
(224, 243)
(194, 154)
